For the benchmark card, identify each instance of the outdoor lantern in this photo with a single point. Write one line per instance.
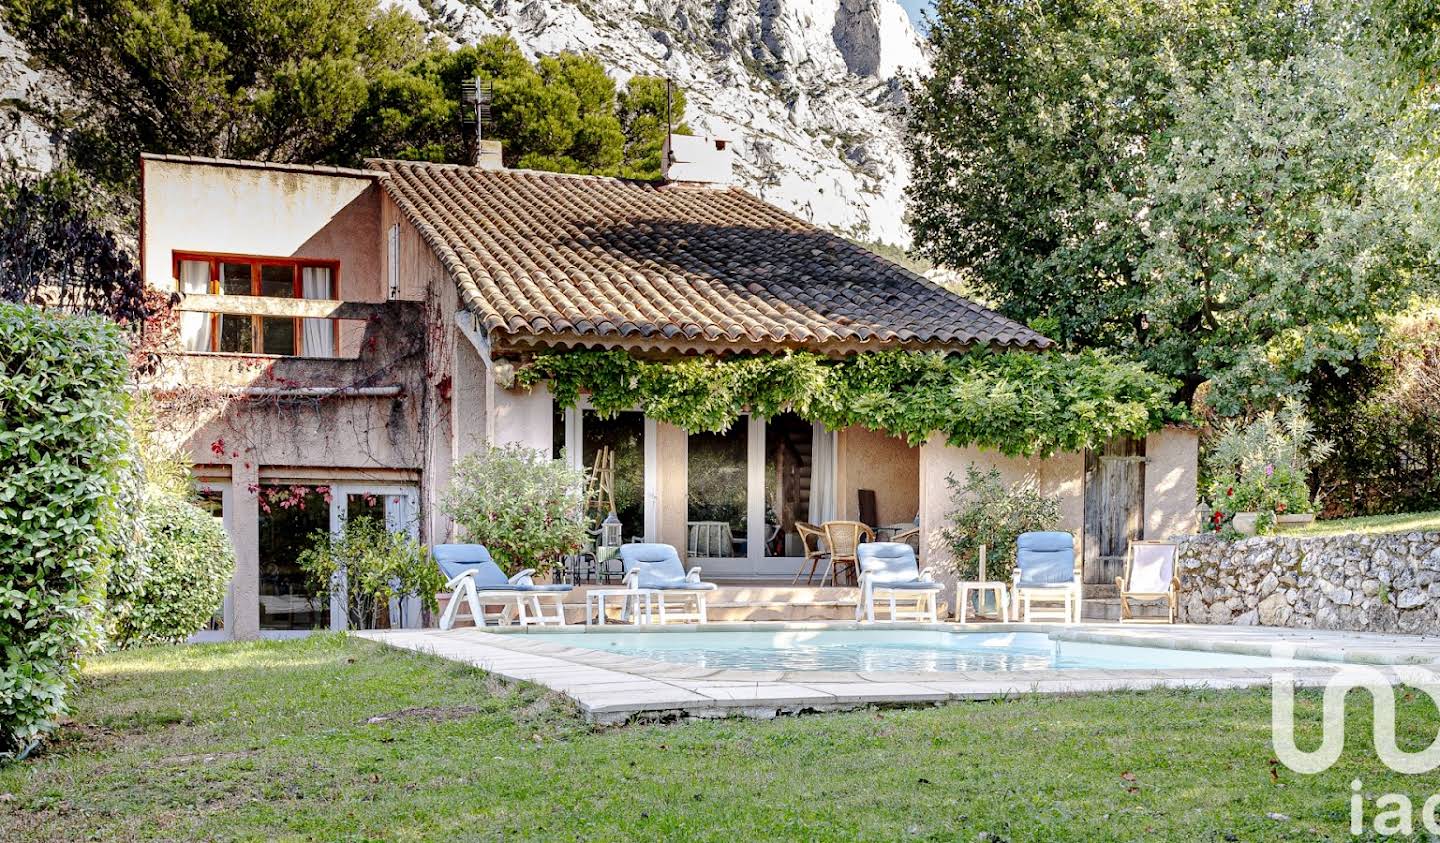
(610, 531)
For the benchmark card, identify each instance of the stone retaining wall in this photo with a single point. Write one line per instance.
(1375, 583)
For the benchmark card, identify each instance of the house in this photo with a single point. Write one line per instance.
(344, 336)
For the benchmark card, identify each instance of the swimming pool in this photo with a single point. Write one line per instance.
(899, 650)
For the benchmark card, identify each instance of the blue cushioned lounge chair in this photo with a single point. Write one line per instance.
(1045, 571)
(657, 568)
(476, 581)
(890, 570)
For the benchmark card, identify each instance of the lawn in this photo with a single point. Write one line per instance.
(336, 738)
(1408, 522)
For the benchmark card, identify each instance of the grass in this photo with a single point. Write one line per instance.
(337, 738)
(1408, 522)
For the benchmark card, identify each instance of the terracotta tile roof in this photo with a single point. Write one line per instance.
(550, 259)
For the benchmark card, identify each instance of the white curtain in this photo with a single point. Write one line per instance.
(822, 475)
(318, 336)
(195, 327)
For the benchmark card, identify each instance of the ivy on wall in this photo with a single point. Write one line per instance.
(1019, 403)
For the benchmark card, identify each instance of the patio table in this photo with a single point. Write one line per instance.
(595, 604)
(962, 595)
(888, 532)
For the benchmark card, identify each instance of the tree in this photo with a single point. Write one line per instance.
(526, 508)
(643, 111)
(1148, 176)
(369, 565)
(56, 252)
(1277, 230)
(328, 81)
(561, 113)
(276, 80)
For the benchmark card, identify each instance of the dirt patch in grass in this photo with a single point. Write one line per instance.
(207, 757)
(434, 714)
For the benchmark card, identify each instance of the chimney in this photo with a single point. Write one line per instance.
(487, 155)
(697, 160)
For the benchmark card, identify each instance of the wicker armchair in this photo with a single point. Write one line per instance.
(844, 538)
(810, 537)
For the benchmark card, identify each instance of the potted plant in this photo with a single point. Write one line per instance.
(525, 507)
(1258, 471)
(369, 565)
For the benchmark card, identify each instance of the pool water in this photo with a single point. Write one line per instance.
(898, 650)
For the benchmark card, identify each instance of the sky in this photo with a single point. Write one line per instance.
(916, 9)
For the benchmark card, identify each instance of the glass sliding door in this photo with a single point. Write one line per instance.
(718, 504)
(290, 517)
(788, 483)
(624, 435)
(748, 486)
(397, 507)
(578, 436)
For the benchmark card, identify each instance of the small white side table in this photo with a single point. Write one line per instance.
(962, 593)
(595, 604)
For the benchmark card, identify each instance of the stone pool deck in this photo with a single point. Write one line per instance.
(612, 688)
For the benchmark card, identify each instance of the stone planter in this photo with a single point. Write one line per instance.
(1245, 522)
(1293, 522)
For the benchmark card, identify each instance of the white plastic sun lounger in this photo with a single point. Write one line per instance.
(889, 570)
(474, 580)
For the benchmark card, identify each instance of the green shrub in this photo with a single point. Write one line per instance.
(62, 445)
(1263, 466)
(991, 513)
(186, 568)
(525, 507)
(377, 566)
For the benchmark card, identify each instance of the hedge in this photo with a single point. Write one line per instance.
(181, 581)
(62, 444)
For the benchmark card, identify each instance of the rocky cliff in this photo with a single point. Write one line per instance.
(23, 141)
(809, 90)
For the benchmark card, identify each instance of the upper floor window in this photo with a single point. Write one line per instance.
(257, 333)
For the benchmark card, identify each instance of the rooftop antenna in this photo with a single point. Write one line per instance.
(478, 94)
(669, 121)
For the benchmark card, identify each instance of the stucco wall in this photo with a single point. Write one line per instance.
(525, 417)
(245, 211)
(196, 409)
(417, 261)
(1171, 473)
(869, 459)
(1062, 475)
(672, 486)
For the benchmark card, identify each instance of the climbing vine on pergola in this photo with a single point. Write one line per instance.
(1020, 403)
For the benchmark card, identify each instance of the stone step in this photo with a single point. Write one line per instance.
(1108, 609)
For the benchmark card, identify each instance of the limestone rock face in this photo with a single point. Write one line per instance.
(810, 91)
(1368, 583)
(23, 141)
